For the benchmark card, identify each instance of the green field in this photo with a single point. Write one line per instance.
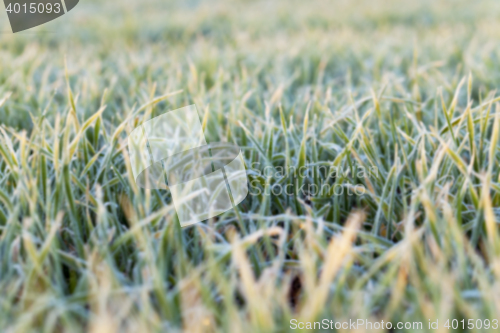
(397, 97)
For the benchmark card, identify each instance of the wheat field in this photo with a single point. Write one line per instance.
(397, 97)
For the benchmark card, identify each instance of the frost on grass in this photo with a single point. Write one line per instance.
(406, 89)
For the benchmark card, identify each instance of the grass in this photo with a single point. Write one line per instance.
(406, 90)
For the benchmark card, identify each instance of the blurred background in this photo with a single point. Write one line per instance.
(124, 46)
